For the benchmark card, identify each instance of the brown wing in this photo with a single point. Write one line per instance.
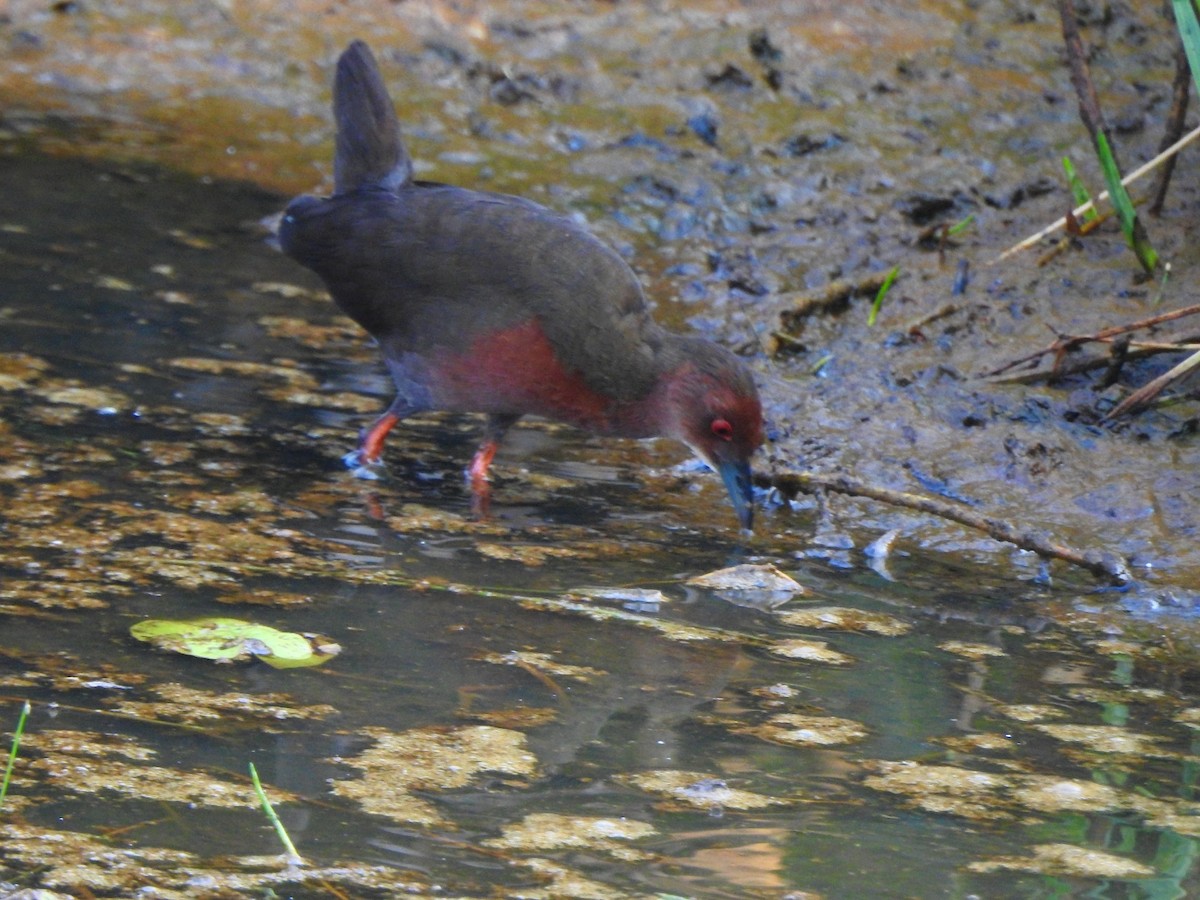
(433, 265)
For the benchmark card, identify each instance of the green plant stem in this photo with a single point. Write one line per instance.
(12, 753)
(293, 857)
(1134, 234)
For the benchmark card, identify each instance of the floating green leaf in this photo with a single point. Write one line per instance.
(230, 640)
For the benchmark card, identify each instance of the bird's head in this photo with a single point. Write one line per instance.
(717, 413)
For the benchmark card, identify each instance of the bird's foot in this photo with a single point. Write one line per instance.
(481, 499)
(477, 478)
(362, 467)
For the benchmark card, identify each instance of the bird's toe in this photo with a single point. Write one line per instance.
(362, 468)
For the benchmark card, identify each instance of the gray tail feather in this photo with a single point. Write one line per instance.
(370, 151)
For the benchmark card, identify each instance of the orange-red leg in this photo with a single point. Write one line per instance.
(477, 472)
(370, 448)
(365, 459)
(481, 462)
(477, 475)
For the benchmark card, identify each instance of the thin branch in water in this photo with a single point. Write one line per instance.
(1107, 566)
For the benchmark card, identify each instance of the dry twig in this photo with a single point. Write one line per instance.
(1140, 398)
(1174, 129)
(1079, 211)
(1066, 343)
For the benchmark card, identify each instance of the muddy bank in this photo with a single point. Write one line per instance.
(738, 161)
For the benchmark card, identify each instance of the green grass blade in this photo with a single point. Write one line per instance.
(1079, 193)
(1124, 206)
(960, 226)
(1189, 32)
(883, 289)
(293, 857)
(12, 753)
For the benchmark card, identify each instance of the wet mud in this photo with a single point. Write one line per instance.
(739, 161)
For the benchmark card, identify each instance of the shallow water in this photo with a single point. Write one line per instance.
(175, 397)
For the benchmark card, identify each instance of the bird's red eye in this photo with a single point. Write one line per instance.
(722, 429)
